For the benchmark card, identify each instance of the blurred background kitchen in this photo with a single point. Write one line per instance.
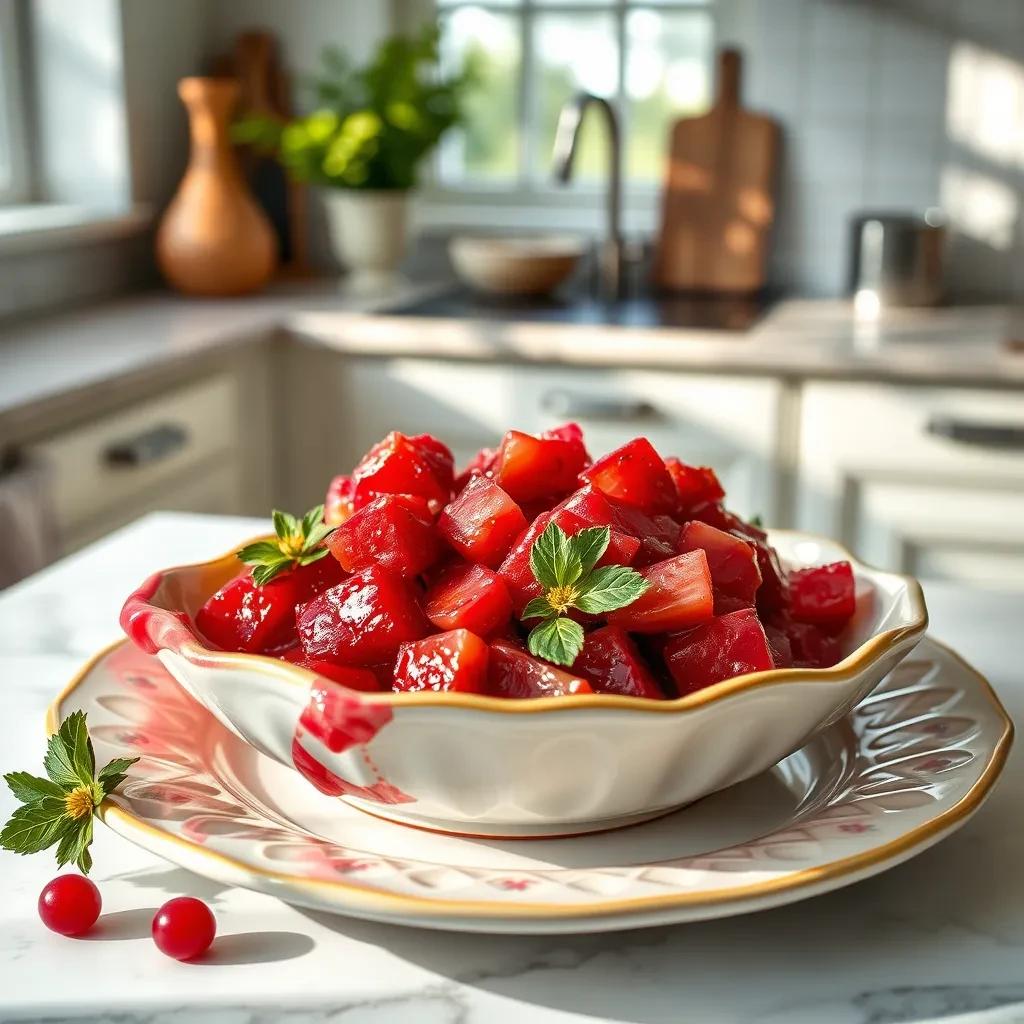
(780, 237)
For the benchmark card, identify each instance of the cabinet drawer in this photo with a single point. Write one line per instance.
(119, 458)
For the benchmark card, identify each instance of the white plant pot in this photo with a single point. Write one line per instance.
(369, 232)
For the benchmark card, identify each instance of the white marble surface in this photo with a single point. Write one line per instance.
(52, 357)
(939, 938)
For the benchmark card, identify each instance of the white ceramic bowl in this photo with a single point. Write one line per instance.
(553, 766)
(515, 265)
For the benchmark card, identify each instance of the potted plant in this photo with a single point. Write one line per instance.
(364, 142)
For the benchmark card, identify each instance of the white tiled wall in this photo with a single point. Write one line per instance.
(865, 90)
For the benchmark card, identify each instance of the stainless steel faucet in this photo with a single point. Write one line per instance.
(566, 135)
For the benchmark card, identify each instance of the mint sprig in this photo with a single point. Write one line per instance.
(564, 567)
(298, 542)
(59, 809)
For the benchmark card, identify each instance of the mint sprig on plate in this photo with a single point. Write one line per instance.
(59, 809)
(298, 542)
(564, 567)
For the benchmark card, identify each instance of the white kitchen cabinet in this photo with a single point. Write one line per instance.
(731, 423)
(927, 481)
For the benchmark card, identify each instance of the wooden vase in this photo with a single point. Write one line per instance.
(214, 239)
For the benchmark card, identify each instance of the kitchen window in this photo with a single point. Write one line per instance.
(652, 58)
(13, 169)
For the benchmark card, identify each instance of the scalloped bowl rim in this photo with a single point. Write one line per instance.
(191, 649)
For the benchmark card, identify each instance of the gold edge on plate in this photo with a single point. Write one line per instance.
(843, 672)
(425, 907)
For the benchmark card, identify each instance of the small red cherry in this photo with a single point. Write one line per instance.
(184, 928)
(70, 905)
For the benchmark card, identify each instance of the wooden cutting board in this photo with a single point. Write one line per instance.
(719, 200)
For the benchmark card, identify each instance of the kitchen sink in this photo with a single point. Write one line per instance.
(707, 312)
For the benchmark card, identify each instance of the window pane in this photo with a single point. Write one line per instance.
(668, 74)
(487, 150)
(572, 52)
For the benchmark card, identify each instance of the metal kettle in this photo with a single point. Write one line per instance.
(898, 259)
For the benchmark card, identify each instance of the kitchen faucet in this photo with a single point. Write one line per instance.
(569, 120)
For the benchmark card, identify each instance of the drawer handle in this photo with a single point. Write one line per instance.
(979, 435)
(153, 445)
(574, 405)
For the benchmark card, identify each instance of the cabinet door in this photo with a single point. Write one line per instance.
(729, 423)
(925, 481)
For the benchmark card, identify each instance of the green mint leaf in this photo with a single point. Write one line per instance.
(316, 536)
(68, 847)
(538, 608)
(75, 735)
(590, 544)
(27, 788)
(608, 588)
(285, 526)
(310, 521)
(557, 640)
(35, 826)
(261, 551)
(756, 521)
(84, 858)
(553, 560)
(113, 769)
(59, 763)
(263, 574)
(313, 556)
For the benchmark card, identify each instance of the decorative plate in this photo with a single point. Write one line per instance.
(907, 767)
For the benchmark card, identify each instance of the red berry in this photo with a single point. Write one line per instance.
(70, 905)
(184, 928)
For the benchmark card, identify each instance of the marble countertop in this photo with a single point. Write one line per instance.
(938, 938)
(58, 356)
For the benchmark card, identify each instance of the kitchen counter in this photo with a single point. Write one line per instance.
(65, 356)
(940, 937)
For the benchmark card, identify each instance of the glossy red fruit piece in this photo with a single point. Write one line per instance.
(363, 620)
(184, 928)
(825, 594)
(571, 432)
(813, 646)
(658, 534)
(611, 662)
(468, 596)
(455, 661)
(482, 464)
(362, 679)
(438, 454)
(728, 646)
(679, 596)
(636, 475)
(482, 523)
(338, 502)
(393, 531)
(244, 617)
(732, 561)
(70, 905)
(779, 644)
(514, 672)
(694, 484)
(531, 467)
(316, 577)
(397, 466)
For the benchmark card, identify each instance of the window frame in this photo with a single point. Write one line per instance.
(463, 202)
(13, 114)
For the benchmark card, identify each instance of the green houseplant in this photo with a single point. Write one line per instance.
(365, 140)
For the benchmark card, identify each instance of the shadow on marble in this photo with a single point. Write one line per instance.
(256, 948)
(173, 882)
(122, 924)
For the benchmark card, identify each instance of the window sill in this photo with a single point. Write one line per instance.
(36, 226)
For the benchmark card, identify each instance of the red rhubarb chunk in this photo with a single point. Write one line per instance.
(438, 454)
(363, 620)
(694, 484)
(825, 595)
(397, 465)
(394, 531)
(728, 646)
(347, 675)
(611, 662)
(571, 432)
(468, 597)
(482, 523)
(242, 616)
(482, 464)
(537, 467)
(455, 661)
(679, 596)
(512, 672)
(338, 503)
(658, 534)
(732, 561)
(636, 475)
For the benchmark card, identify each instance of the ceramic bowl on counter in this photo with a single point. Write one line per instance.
(491, 766)
(515, 265)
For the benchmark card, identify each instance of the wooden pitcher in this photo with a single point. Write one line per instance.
(214, 239)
